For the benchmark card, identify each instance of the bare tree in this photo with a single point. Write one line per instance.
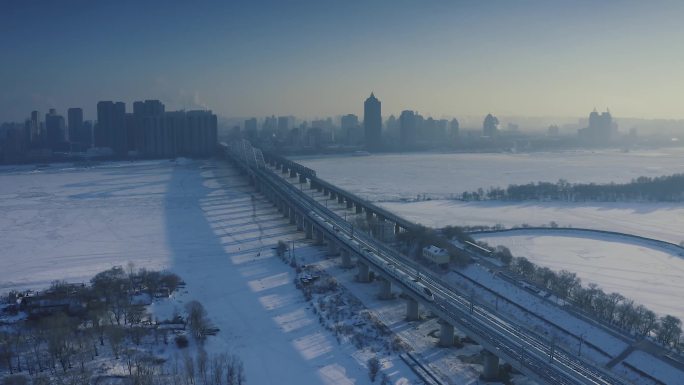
(373, 368)
(197, 320)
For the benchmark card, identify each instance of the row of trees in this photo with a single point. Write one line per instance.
(660, 189)
(143, 369)
(612, 308)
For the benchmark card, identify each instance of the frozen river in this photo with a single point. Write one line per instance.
(404, 176)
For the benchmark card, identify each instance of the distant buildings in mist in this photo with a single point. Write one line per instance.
(151, 131)
(148, 131)
(410, 131)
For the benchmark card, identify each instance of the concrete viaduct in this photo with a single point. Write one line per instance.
(373, 212)
(524, 350)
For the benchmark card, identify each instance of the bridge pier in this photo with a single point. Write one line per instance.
(302, 178)
(308, 229)
(397, 229)
(385, 289)
(300, 221)
(380, 228)
(490, 365)
(359, 208)
(412, 310)
(369, 215)
(364, 271)
(346, 258)
(318, 234)
(285, 170)
(333, 195)
(340, 199)
(446, 334)
(333, 248)
(293, 214)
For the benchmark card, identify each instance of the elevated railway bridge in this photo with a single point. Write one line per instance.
(500, 337)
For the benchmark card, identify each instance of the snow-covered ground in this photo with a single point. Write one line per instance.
(647, 273)
(71, 223)
(664, 221)
(198, 221)
(404, 176)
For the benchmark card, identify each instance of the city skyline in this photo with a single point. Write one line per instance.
(263, 58)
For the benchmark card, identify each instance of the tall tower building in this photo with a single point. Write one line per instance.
(54, 125)
(111, 126)
(372, 122)
(35, 128)
(408, 129)
(251, 131)
(75, 120)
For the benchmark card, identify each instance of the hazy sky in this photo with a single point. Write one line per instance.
(319, 58)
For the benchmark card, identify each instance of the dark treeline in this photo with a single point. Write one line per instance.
(659, 189)
(61, 335)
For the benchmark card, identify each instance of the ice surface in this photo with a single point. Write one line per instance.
(663, 221)
(404, 176)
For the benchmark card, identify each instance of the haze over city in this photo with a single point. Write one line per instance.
(313, 58)
(341, 192)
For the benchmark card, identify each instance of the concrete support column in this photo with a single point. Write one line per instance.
(397, 228)
(285, 170)
(293, 174)
(346, 258)
(359, 208)
(333, 195)
(308, 229)
(325, 191)
(364, 271)
(369, 215)
(318, 234)
(319, 188)
(333, 248)
(385, 289)
(490, 365)
(300, 222)
(380, 228)
(340, 199)
(302, 178)
(293, 214)
(412, 311)
(446, 334)
(350, 204)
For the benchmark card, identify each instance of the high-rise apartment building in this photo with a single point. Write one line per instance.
(372, 122)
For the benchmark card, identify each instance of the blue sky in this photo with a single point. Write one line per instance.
(320, 58)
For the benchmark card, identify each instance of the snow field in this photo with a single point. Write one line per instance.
(640, 270)
(663, 221)
(200, 222)
(404, 176)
